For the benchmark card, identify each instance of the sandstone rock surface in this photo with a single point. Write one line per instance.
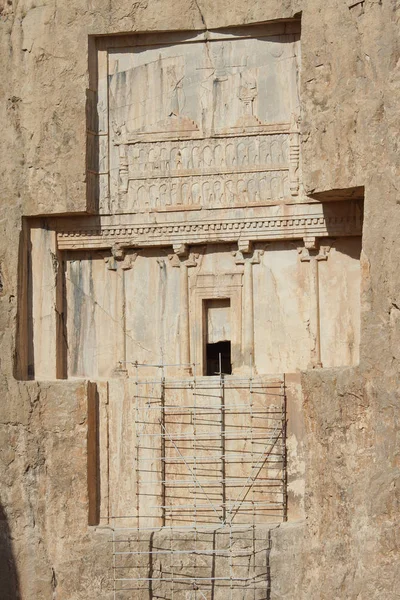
(347, 546)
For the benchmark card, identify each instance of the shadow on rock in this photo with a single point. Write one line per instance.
(9, 586)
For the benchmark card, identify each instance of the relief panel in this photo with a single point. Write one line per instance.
(209, 121)
(239, 171)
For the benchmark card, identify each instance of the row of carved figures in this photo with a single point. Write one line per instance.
(235, 153)
(224, 191)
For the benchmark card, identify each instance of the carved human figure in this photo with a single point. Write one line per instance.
(196, 157)
(174, 90)
(230, 156)
(218, 192)
(196, 193)
(174, 193)
(163, 195)
(248, 91)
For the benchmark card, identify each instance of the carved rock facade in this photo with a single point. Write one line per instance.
(202, 279)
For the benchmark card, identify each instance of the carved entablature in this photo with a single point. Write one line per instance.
(293, 222)
(187, 121)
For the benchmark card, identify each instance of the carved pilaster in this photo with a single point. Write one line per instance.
(248, 257)
(184, 260)
(313, 253)
(121, 261)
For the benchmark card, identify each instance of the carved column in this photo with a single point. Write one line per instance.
(247, 257)
(312, 252)
(120, 262)
(182, 259)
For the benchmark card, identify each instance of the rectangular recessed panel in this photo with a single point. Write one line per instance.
(199, 123)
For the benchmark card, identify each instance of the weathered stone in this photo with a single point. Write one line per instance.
(342, 439)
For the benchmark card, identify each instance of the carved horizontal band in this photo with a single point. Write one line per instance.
(225, 190)
(209, 172)
(214, 155)
(199, 232)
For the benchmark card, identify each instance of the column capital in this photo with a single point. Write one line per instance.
(313, 249)
(252, 257)
(120, 255)
(129, 260)
(323, 252)
(180, 249)
(245, 246)
(191, 259)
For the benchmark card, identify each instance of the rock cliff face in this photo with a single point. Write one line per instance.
(348, 544)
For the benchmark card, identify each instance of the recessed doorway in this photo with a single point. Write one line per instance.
(218, 336)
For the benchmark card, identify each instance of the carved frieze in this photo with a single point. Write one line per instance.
(243, 170)
(315, 221)
(196, 191)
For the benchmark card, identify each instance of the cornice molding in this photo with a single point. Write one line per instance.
(217, 231)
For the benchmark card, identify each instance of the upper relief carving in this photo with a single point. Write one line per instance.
(202, 123)
(204, 172)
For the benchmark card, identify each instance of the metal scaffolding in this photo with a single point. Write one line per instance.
(210, 472)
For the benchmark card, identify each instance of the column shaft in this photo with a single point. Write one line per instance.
(248, 332)
(184, 317)
(121, 320)
(315, 314)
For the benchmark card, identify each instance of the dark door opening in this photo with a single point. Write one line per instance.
(213, 354)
